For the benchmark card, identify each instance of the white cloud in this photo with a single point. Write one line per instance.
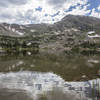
(95, 13)
(98, 8)
(79, 11)
(23, 12)
(7, 3)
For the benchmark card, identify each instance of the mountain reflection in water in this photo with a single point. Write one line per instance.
(50, 77)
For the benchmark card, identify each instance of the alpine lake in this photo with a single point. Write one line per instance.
(45, 76)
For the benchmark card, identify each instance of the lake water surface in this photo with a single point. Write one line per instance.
(49, 77)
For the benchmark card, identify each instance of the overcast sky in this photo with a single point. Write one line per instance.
(45, 11)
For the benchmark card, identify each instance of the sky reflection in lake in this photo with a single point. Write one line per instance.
(50, 77)
(49, 85)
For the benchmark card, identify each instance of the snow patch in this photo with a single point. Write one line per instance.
(91, 32)
(74, 29)
(21, 27)
(29, 53)
(19, 63)
(20, 33)
(57, 33)
(93, 61)
(9, 27)
(28, 44)
(32, 30)
(13, 29)
(94, 36)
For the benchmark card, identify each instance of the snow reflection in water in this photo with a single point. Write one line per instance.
(36, 83)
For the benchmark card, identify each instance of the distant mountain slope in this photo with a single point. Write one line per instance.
(79, 22)
(70, 32)
(82, 23)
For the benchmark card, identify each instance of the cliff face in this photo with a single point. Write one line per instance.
(69, 33)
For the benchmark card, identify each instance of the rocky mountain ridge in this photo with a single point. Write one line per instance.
(69, 33)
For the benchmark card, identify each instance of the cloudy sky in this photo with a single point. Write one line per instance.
(45, 11)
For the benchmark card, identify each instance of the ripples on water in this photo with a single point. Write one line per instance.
(50, 77)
